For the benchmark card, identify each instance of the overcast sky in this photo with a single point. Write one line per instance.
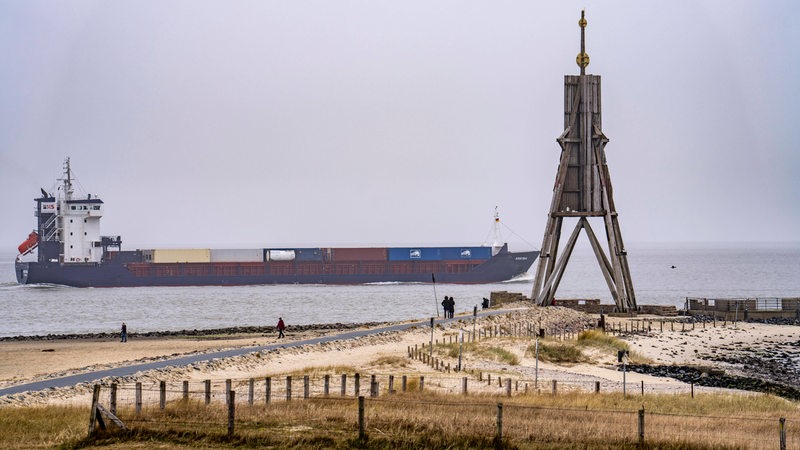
(314, 123)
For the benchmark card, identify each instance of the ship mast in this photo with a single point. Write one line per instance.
(498, 240)
(68, 191)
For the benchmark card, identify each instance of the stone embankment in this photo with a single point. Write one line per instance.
(199, 333)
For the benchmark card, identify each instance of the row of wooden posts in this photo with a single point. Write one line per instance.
(374, 388)
(635, 326)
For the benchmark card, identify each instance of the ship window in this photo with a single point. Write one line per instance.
(70, 233)
(84, 233)
(84, 220)
(96, 207)
(72, 207)
(70, 220)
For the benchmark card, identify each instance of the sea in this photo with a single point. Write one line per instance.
(663, 274)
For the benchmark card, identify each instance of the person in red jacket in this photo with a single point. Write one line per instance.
(281, 326)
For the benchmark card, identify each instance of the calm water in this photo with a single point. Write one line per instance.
(741, 270)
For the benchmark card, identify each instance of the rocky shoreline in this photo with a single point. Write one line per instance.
(192, 333)
(709, 377)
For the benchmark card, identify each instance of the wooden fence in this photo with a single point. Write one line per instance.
(156, 405)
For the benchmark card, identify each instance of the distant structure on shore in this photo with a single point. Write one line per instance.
(583, 190)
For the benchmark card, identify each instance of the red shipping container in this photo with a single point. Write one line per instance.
(359, 254)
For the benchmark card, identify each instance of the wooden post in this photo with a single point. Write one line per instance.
(231, 411)
(267, 389)
(373, 387)
(162, 394)
(489, 379)
(596, 387)
(306, 386)
(227, 390)
(208, 391)
(499, 437)
(692, 385)
(361, 433)
(641, 427)
(138, 398)
(508, 387)
(289, 388)
(344, 385)
(326, 386)
(555, 387)
(642, 387)
(186, 389)
(404, 382)
(357, 384)
(464, 385)
(251, 392)
(782, 435)
(93, 412)
(113, 398)
(391, 384)
(421, 383)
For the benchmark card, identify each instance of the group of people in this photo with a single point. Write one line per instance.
(449, 306)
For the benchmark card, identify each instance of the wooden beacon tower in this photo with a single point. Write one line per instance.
(583, 190)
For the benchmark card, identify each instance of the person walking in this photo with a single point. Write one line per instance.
(281, 326)
(452, 307)
(124, 333)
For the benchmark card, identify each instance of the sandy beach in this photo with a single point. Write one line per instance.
(722, 348)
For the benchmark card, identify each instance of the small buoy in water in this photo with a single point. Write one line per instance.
(672, 267)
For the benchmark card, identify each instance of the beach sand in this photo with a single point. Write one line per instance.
(31, 360)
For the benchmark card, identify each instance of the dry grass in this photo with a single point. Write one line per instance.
(318, 372)
(479, 351)
(390, 362)
(424, 420)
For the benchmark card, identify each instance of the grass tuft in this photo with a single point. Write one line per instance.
(477, 350)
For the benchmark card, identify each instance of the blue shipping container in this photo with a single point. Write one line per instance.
(415, 254)
(308, 254)
(455, 253)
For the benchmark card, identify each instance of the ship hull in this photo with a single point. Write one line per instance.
(119, 273)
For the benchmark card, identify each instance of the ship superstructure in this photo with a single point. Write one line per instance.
(68, 226)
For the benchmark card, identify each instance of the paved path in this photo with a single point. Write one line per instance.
(89, 377)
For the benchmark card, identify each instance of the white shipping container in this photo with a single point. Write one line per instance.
(237, 255)
(281, 255)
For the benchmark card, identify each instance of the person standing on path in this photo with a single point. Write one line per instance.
(281, 326)
(124, 333)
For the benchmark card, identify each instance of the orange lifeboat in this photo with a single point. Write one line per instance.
(29, 244)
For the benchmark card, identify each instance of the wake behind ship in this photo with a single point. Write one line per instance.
(71, 251)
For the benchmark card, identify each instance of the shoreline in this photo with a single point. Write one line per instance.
(746, 350)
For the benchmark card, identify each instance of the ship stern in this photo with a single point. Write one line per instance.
(21, 271)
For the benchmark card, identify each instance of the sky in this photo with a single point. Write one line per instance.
(317, 123)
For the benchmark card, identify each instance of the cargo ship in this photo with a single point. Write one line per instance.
(69, 250)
